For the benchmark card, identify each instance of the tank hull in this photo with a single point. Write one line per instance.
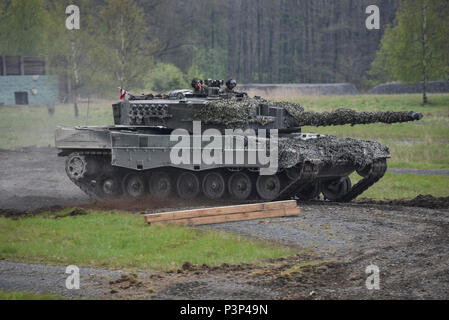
(106, 161)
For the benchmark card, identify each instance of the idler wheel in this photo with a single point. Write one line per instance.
(76, 166)
(109, 186)
(134, 185)
(334, 190)
(365, 171)
(239, 186)
(214, 185)
(160, 185)
(268, 187)
(188, 185)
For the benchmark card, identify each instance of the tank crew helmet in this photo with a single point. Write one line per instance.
(197, 84)
(231, 84)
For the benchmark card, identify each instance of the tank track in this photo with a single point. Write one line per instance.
(307, 176)
(377, 172)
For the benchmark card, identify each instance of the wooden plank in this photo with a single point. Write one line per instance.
(231, 217)
(219, 210)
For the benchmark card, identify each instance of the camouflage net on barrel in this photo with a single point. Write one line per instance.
(237, 113)
(347, 116)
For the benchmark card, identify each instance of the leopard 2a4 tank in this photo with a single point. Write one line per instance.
(135, 156)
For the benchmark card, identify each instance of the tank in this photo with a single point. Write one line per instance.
(218, 143)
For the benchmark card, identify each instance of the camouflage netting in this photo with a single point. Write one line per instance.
(237, 113)
(330, 150)
(348, 116)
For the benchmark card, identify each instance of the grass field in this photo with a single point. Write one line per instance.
(21, 295)
(115, 240)
(398, 186)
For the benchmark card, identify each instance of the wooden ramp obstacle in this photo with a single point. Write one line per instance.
(225, 214)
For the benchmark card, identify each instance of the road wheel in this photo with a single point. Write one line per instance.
(336, 189)
(188, 185)
(108, 186)
(239, 186)
(268, 187)
(214, 185)
(160, 185)
(134, 185)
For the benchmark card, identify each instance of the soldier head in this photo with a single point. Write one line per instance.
(231, 84)
(197, 84)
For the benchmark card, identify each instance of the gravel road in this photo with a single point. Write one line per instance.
(16, 276)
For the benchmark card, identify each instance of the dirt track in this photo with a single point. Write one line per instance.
(410, 245)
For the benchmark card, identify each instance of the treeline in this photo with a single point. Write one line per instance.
(309, 41)
(275, 41)
(160, 44)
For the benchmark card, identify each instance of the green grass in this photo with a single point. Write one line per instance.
(22, 295)
(32, 125)
(398, 186)
(418, 155)
(115, 240)
(400, 131)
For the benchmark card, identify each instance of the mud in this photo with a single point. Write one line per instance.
(421, 201)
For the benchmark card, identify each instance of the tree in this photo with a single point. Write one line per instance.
(127, 51)
(164, 77)
(75, 57)
(416, 48)
(22, 27)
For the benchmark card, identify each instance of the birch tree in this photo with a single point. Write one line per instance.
(415, 49)
(127, 56)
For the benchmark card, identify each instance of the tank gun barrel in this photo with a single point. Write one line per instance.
(347, 116)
